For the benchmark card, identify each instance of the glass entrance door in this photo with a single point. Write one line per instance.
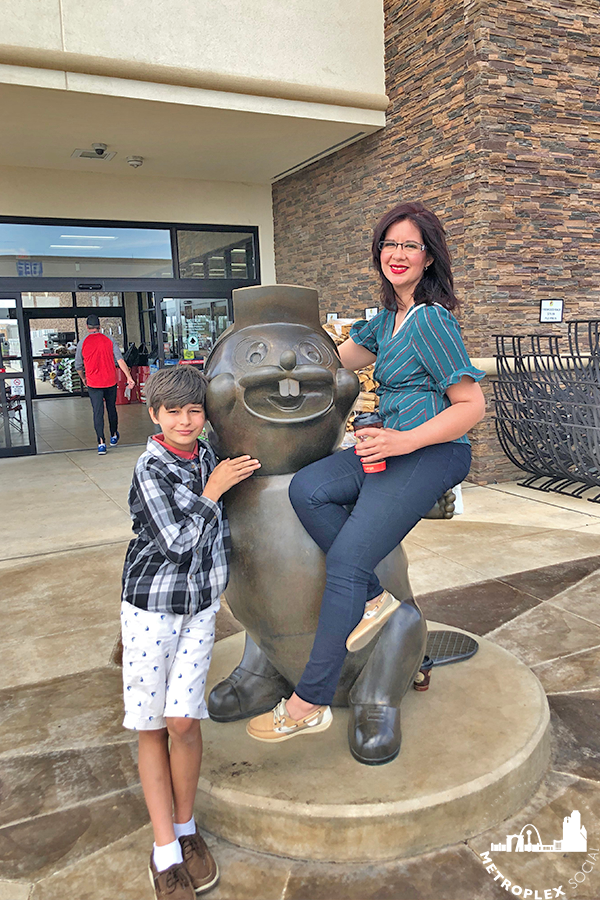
(53, 342)
(191, 327)
(16, 418)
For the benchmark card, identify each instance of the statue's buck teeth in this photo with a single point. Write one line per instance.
(289, 387)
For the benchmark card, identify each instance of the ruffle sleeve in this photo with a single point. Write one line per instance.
(365, 334)
(439, 345)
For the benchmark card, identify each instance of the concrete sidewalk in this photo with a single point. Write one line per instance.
(519, 566)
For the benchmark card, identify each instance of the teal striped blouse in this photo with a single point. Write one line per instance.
(417, 364)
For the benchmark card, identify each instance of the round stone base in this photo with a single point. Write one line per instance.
(475, 746)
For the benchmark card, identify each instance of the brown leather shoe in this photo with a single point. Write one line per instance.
(199, 862)
(174, 883)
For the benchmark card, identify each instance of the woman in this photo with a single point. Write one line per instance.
(429, 399)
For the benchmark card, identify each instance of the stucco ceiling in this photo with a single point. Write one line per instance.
(41, 128)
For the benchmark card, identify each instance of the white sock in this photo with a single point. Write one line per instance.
(168, 855)
(185, 828)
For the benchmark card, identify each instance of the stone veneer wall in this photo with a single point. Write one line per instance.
(494, 123)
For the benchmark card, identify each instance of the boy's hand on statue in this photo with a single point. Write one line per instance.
(228, 473)
(381, 443)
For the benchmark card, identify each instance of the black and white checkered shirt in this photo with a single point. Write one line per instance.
(179, 561)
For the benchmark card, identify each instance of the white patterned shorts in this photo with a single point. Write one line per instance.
(165, 663)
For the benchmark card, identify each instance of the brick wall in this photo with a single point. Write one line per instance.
(494, 123)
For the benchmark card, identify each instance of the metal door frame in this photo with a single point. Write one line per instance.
(31, 449)
(66, 312)
(187, 294)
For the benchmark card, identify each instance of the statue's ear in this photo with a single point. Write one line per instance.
(220, 396)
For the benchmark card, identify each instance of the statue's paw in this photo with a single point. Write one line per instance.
(244, 694)
(444, 508)
(374, 733)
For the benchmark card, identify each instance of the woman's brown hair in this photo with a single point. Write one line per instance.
(437, 284)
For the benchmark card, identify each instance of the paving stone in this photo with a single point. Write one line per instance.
(546, 632)
(49, 656)
(576, 730)
(62, 592)
(115, 872)
(38, 846)
(75, 711)
(548, 581)
(479, 607)
(582, 598)
(14, 890)
(38, 785)
(120, 871)
(578, 672)
(454, 874)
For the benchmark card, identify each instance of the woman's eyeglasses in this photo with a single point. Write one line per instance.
(408, 246)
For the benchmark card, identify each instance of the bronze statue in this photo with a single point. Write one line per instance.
(277, 391)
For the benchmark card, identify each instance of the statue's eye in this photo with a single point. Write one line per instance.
(315, 353)
(256, 353)
(251, 353)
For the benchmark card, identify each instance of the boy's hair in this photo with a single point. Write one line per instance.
(175, 386)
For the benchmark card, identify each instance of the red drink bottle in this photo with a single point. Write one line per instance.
(369, 420)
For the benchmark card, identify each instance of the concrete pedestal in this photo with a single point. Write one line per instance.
(475, 747)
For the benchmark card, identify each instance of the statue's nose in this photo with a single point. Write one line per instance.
(288, 360)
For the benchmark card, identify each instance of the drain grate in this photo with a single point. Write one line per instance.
(445, 647)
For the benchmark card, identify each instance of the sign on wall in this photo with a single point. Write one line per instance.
(551, 310)
(29, 267)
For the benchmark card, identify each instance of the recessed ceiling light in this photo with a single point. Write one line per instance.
(76, 246)
(90, 237)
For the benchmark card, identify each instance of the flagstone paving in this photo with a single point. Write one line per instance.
(521, 568)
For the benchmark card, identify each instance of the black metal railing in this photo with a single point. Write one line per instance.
(548, 407)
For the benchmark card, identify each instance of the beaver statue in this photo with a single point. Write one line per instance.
(277, 391)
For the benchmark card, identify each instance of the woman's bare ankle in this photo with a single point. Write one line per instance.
(298, 708)
(372, 603)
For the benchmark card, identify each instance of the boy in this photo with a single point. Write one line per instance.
(175, 570)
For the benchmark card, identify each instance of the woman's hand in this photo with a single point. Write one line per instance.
(228, 473)
(382, 443)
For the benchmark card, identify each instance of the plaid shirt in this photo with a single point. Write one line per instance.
(179, 561)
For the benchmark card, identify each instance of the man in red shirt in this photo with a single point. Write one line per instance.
(95, 359)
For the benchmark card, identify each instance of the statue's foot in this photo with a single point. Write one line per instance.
(245, 694)
(444, 508)
(374, 733)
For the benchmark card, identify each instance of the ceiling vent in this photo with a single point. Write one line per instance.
(98, 151)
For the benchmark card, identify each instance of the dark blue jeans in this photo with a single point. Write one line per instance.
(387, 505)
(98, 397)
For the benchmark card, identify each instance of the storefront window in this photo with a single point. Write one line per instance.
(14, 430)
(215, 254)
(10, 345)
(113, 327)
(90, 298)
(46, 299)
(84, 252)
(192, 326)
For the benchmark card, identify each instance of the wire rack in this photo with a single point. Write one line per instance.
(547, 408)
